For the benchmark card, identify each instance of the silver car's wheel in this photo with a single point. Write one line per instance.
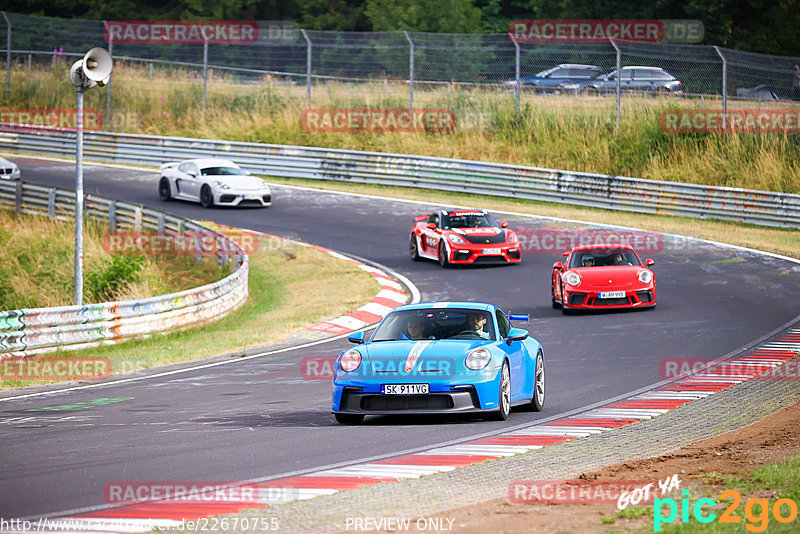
(504, 395)
(164, 190)
(206, 197)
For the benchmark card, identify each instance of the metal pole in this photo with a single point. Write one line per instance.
(516, 62)
(619, 74)
(205, 72)
(79, 199)
(308, 68)
(8, 55)
(108, 85)
(410, 73)
(724, 86)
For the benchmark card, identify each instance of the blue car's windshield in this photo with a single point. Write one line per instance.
(436, 323)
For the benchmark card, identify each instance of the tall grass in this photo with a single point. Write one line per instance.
(36, 266)
(559, 131)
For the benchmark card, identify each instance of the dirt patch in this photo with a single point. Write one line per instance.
(701, 466)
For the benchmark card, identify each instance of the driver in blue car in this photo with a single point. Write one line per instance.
(475, 322)
(415, 328)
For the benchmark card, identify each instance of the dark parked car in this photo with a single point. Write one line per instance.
(550, 79)
(634, 78)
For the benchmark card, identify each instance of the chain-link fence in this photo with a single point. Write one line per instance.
(396, 67)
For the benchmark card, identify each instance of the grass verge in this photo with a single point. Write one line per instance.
(291, 286)
(555, 131)
(37, 268)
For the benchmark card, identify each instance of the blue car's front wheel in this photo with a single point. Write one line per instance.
(504, 395)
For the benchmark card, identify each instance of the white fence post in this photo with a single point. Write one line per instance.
(410, 73)
(308, 68)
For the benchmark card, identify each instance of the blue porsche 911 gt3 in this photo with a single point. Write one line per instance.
(440, 357)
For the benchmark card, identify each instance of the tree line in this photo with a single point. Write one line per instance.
(767, 26)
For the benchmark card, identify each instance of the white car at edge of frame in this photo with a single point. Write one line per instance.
(8, 170)
(212, 182)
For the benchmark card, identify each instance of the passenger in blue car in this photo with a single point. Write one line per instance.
(475, 322)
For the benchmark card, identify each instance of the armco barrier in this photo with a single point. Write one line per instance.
(464, 176)
(28, 331)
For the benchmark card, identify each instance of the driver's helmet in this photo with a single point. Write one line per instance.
(588, 261)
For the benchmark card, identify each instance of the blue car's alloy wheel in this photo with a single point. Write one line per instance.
(504, 400)
(537, 402)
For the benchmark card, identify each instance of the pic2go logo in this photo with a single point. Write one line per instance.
(756, 511)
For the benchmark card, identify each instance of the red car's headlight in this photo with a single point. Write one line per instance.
(645, 277)
(573, 279)
(512, 237)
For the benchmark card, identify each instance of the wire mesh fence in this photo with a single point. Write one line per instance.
(415, 69)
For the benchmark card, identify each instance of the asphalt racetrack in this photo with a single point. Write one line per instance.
(260, 418)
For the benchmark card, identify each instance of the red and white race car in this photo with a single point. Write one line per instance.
(602, 277)
(463, 237)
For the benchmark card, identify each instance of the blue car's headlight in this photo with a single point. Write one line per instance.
(350, 361)
(478, 359)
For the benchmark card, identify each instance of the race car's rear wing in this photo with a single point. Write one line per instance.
(419, 218)
(169, 165)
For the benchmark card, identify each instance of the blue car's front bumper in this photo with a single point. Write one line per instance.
(477, 391)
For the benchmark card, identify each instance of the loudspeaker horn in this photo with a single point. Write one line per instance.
(97, 65)
(93, 69)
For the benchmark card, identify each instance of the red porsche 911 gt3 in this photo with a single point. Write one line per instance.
(463, 237)
(601, 277)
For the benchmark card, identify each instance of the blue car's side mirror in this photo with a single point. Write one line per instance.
(516, 334)
(519, 317)
(356, 337)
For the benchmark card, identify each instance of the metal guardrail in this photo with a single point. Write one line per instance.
(463, 176)
(28, 331)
